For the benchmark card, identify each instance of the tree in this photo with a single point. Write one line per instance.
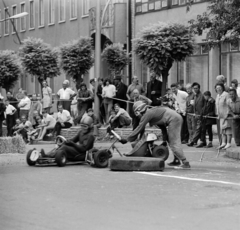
(77, 58)
(221, 21)
(10, 69)
(116, 58)
(39, 59)
(160, 44)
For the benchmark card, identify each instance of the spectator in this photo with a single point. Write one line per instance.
(190, 109)
(74, 110)
(208, 110)
(14, 102)
(121, 90)
(48, 123)
(16, 126)
(234, 111)
(24, 105)
(19, 95)
(180, 86)
(47, 97)
(108, 93)
(96, 124)
(180, 106)
(169, 100)
(199, 103)
(24, 127)
(154, 88)
(2, 110)
(222, 80)
(234, 85)
(64, 121)
(65, 96)
(101, 106)
(35, 115)
(92, 82)
(34, 133)
(122, 117)
(35, 106)
(222, 112)
(84, 97)
(135, 85)
(10, 117)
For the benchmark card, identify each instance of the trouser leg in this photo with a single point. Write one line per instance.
(58, 128)
(210, 133)
(82, 108)
(124, 121)
(184, 130)
(1, 127)
(198, 130)
(190, 125)
(72, 153)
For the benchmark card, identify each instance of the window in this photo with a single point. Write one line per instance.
(73, 9)
(14, 12)
(31, 15)
(164, 3)
(6, 22)
(51, 12)
(204, 49)
(22, 19)
(158, 5)
(62, 15)
(234, 46)
(85, 4)
(41, 13)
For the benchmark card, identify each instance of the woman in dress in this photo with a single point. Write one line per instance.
(222, 112)
(47, 97)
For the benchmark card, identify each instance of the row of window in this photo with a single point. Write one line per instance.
(41, 19)
(143, 6)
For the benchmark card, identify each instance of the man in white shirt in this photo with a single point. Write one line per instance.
(122, 117)
(234, 85)
(64, 121)
(24, 105)
(65, 96)
(10, 117)
(180, 106)
(48, 123)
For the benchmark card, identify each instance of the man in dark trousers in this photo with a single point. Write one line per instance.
(198, 105)
(14, 102)
(121, 91)
(154, 87)
(160, 116)
(2, 110)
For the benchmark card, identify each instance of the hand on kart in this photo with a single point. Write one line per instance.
(123, 141)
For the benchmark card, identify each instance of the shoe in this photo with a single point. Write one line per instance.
(184, 165)
(201, 145)
(49, 135)
(227, 146)
(174, 163)
(184, 142)
(221, 146)
(195, 143)
(111, 136)
(190, 144)
(209, 145)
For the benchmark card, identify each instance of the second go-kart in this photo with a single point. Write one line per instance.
(94, 157)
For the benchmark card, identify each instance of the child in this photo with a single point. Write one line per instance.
(34, 133)
(16, 127)
(10, 117)
(112, 124)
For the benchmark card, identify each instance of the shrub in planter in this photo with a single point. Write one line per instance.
(12, 145)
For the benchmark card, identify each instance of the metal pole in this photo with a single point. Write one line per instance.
(97, 66)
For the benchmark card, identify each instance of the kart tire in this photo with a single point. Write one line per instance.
(101, 158)
(29, 161)
(136, 164)
(161, 152)
(61, 158)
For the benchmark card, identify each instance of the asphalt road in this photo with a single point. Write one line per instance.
(82, 197)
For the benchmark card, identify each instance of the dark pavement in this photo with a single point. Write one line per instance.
(82, 197)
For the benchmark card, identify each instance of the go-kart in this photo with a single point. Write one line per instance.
(94, 157)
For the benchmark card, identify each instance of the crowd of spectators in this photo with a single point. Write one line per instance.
(32, 117)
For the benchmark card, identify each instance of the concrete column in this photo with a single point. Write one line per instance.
(228, 69)
(185, 79)
(213, 67)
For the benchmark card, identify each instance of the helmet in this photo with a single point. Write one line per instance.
(151, 137)
(139, 106)
(86, 122)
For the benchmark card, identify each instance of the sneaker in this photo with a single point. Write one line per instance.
(190, 144)
(184, 142)
(201, 145)
(227, 146)
(210, 145)
(185, 165)
(174, 163)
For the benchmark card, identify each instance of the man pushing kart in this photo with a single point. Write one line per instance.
(160, 116)
(70, 148)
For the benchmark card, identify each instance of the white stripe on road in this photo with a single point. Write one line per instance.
(189, 178)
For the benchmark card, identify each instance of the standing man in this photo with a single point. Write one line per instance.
(180, 106)
(121, 91)
(199, 103)
(2, 110)
(130, 95)
(47, 97)
(154, 87)
(10, 117)
(65, 96)
(14, 102)
(24, 105)
(99, 94)
(84, 97)
(234, 85)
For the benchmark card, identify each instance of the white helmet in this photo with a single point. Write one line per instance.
(139, 106)
(151, 137)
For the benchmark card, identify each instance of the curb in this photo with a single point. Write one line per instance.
(233, 153)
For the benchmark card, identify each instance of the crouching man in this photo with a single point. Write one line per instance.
(160, 116)
(74, 151)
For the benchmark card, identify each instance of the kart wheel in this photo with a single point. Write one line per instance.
(101, 158)
(161, 152)
(29, 161)
(61, 159)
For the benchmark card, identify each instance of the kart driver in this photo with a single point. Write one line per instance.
(74, 151)
(161, 116)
